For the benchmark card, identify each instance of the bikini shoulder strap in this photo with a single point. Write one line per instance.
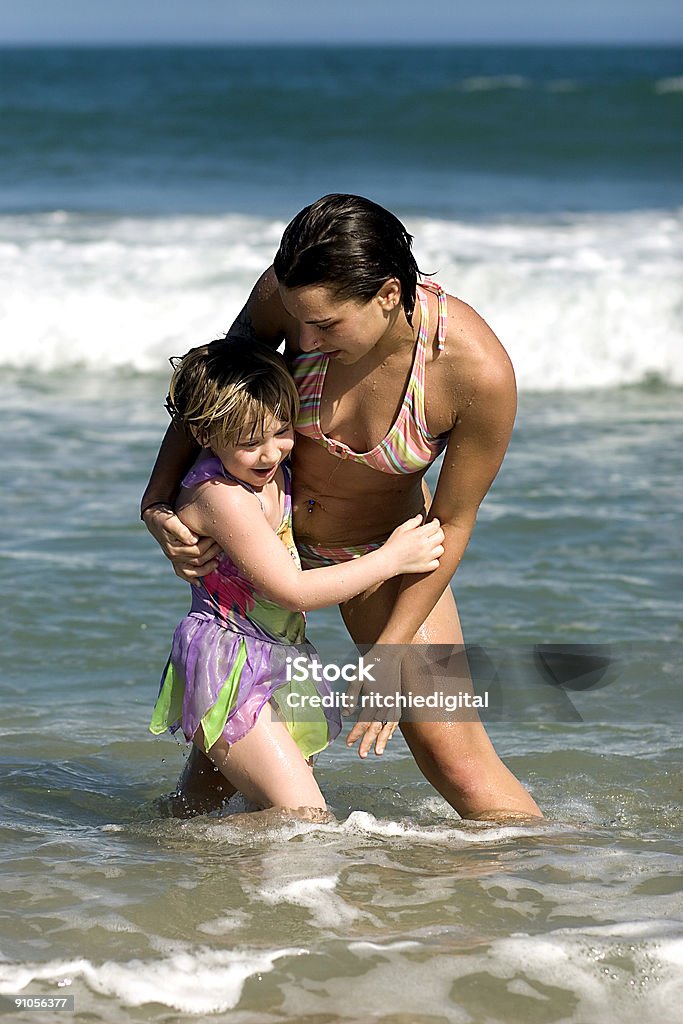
(442, 299)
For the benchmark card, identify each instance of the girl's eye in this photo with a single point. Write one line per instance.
(326, 328)
(285, 430)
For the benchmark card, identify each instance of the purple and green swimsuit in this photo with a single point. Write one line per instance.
(229, 654)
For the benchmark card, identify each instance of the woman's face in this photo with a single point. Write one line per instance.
(344, 329)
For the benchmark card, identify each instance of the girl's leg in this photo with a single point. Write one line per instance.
(201, 788)
(456, 757)
(266, 766)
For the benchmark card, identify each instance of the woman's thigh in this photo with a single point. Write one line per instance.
(451, 754)
(266, 766)
(365, 616)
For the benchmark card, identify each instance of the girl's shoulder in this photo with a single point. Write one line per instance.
(207, 490)
(206, 466)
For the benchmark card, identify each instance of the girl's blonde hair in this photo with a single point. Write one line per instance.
(224, 393)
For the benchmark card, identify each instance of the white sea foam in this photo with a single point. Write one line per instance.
(360, 825)
(196, 981)
(580, 301)
(472, 833)
(485, 83)
(611, 974)
(674, 84)
(619, 972)
(317, 896)
(589, 301)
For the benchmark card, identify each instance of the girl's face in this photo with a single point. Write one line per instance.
(255, 459)
(345, 330)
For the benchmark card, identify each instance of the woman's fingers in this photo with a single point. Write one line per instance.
(386, 732)
(371, 734)
(191, 563)
(167, 529)
(192, 556)
(196, 554)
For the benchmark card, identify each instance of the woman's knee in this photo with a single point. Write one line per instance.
(452, 753)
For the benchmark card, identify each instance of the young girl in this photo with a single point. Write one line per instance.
(226, 681)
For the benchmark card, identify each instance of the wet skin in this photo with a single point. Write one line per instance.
(470, 394)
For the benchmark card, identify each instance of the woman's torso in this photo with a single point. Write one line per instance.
(341, 501)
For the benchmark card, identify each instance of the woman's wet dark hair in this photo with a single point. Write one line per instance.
(352, 246)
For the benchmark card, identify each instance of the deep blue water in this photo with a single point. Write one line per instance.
(441, 131)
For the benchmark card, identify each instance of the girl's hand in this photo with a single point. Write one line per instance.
(192, 556)
(415, 548)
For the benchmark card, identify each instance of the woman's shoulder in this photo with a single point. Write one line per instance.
(472, 347)
(473, 365)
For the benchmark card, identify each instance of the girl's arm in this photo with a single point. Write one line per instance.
(234, 519)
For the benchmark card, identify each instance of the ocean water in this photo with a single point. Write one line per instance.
(141, 193)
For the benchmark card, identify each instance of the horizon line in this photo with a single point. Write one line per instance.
(331, 44)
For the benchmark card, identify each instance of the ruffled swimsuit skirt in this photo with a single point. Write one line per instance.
(235, 651)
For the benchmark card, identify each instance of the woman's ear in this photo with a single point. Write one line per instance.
(389, 295)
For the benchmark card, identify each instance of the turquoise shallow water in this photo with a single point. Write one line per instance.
(399, 911)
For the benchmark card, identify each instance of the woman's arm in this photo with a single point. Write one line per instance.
(233, 518)
(264, 318)
(475, 451)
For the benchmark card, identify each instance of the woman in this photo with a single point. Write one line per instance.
(391, 372)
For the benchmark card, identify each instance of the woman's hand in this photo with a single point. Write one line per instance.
(378, 699)
(371, 734)
(192, 556)
(415, 547)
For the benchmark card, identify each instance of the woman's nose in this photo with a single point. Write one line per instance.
(308, 338)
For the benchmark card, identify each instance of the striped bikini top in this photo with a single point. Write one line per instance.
(408, 446)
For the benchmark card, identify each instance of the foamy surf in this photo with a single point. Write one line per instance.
(580, 301)
(191, 981)
(358, 826)
(623, 972)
